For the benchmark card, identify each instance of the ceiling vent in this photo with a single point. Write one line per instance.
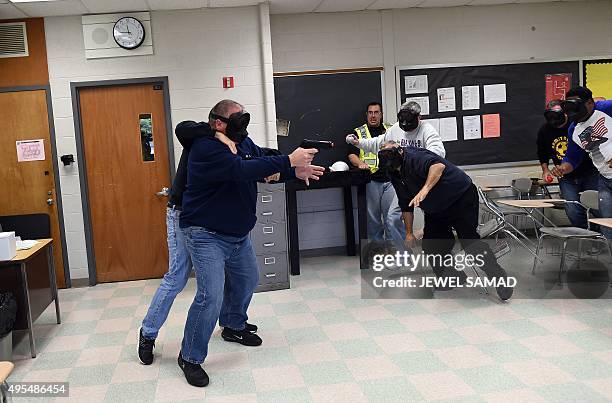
(13, 40)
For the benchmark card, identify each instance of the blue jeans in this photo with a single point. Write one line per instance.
(384, 214)
(179, 268)
(219, 261)
(605, 204)
(571, 188)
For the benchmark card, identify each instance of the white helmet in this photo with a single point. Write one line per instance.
(339, 166)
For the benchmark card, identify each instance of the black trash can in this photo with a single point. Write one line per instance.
(8, 314)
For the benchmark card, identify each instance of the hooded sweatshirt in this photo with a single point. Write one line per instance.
(424, 136)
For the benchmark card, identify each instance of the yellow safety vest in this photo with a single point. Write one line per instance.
(370, 158)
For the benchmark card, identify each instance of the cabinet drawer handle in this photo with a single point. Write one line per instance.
(269, 244)
(268, 230)
(269, 260)
(270, 275)
(266, 199)
(266, 213)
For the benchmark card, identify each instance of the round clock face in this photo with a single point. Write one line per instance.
(129, 33)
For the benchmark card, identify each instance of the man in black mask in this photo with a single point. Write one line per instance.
(218, 213)
(552, 144)
(449, 200)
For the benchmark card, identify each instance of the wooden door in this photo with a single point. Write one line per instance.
(28, 187)
(124, 173)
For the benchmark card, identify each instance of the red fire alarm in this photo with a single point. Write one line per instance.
(228, 82)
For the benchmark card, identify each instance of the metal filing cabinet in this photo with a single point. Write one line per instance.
(269, 237)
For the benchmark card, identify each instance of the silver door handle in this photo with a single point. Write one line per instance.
(270, 275)
(267, 245)
(163, 192)
(50, 202)
(266, 213)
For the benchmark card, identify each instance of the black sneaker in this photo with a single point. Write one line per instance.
(250, 327)
(243, 337)
(145, 349)
(496, 271)
(194, 373)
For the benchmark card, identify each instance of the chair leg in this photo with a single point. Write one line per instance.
(483, 288)
(4, 393)
(537, 253)
(520, 242)
(562, 265)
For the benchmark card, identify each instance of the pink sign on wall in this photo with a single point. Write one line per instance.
(30, 150)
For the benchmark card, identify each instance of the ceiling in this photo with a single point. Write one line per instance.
(44, 8)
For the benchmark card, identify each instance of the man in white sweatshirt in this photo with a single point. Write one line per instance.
(409, 131)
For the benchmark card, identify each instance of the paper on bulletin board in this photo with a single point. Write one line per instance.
(30, 150)
(470, 97)
(598, 78)
(448, 129)
(494, 93)
(471, 127)
(446, 99)
(557, 85)
(434, 122)
(423, 102)
(490, 126)
(415, 84)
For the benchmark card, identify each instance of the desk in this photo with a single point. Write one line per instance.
(344, 180)
(532, 204)
(606, 222)
(35, 290)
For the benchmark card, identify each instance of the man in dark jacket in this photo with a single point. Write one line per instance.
(450, 202)
(179, 262)
(218, 214)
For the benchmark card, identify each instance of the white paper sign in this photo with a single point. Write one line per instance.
(423, 102)
(470, 97)
(446, 99)
(448, 129)
(471, 127)
(415, 84)
(434, 122)
(30, 150)
(494, 93)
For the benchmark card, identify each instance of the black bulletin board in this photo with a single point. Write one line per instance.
(520, 116)
(324, 107)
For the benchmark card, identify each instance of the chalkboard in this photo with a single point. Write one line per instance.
(520, 116)
(324, 107)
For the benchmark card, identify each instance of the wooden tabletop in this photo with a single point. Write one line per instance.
(5, 370)
(28, 253)
(526, 203)
(606, 222)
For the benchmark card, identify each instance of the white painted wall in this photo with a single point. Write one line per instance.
(390, 38)
(195, 49)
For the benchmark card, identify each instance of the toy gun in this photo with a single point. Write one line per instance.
(318, 144)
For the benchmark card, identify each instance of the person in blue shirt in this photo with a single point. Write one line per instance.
(449, 201)
(591, 131)
(218, 212)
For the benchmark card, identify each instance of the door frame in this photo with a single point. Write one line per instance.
(75, 87)
(56, 174)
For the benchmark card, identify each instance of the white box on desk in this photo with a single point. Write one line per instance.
(8, 245)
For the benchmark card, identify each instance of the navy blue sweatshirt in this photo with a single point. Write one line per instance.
(413, 175)
(186, 132)
(221, 192)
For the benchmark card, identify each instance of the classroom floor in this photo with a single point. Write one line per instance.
(322, 342)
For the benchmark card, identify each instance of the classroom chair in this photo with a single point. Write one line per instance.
(589, 200)
(499, 224)
(5, 370)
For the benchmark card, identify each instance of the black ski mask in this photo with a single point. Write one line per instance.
(390, 159)
(236, 125)
(408, 121)
(554, 117)
(575, 109)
